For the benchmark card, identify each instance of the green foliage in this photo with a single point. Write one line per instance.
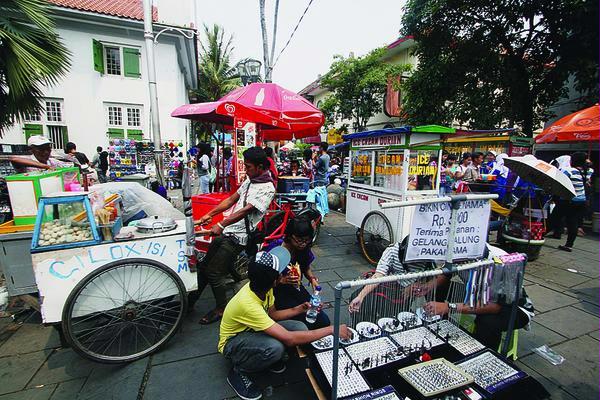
(216, 75)
(357, 86)
(489, 63)
(31, 56)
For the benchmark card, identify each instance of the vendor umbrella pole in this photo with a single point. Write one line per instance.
(190, 239)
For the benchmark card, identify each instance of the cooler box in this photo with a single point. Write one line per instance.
(26, 189)
(293, 184)
(203, 203)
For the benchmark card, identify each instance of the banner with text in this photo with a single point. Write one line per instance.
(431, 226)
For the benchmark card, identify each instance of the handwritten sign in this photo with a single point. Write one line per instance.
(431, 226)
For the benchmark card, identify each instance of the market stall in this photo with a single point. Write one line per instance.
(401, 347)
(388, 165)
(507, 141)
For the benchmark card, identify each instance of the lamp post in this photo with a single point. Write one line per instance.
(249, 71)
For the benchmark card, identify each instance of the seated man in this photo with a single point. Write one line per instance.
(490, 320)
(289, 291)
(250, 204)
(249, 335)
(41, 149)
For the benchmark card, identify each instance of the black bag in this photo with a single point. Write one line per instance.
(255, 237)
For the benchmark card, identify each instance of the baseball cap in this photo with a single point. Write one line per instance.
(277, 258)
(492, 152)
(38, 140)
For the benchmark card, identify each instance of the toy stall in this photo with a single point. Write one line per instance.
(390, 165)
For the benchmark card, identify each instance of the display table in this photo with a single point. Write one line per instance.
(507, 383)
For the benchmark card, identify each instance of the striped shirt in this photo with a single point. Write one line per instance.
(578, 181)
(390, 264)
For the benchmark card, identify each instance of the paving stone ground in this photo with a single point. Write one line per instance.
(563, 286)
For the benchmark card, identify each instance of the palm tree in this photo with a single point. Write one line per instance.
(31, 55)
(216, 75)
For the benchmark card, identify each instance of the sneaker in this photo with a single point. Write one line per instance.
(278, 368)
(243, 386)
(565, 248)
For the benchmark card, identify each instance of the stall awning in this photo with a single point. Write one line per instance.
(313, 139)
(339, 146)
(402, 129)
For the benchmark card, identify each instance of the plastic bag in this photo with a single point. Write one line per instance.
(138, 200)
(546, 352)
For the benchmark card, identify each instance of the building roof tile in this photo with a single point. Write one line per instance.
(132, 9)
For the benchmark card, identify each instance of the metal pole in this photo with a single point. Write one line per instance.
(186, 192)
(336, 341)
(263, 27)
(149, 39)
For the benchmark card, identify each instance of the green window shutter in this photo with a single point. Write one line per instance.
(136, 134)
(115, 133)
(65, 136)
(32, 130)
(98, 56)
(131, 62)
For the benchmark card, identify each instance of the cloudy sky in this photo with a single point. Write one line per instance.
(329, 27)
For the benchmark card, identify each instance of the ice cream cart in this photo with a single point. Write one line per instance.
(118, 294)
(390, 165)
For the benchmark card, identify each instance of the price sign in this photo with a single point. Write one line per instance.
(430, 229)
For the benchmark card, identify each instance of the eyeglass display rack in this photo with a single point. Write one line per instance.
(508, 381)
(122, 154)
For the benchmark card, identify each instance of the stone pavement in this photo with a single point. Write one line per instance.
(564, 288)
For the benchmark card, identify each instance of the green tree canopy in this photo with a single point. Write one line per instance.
(357, 86)
(490, 63)
(216, 75)
(31, 56)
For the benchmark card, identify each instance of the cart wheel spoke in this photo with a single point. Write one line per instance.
(375, 235)
(124, 311)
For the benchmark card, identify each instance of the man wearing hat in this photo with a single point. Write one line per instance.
(40, 159)
(253, 334)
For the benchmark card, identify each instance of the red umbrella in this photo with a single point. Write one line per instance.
(581, 126)
(281, 113)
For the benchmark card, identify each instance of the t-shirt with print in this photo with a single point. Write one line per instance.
(260, 195)
(245, 312)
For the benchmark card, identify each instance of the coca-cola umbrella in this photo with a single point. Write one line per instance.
(281, 113)
(581, 126)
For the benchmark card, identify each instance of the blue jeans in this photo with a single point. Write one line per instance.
(204, 184)
(256, 351)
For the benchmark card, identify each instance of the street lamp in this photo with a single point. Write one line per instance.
(249, 70)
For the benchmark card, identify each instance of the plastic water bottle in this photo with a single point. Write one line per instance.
(315, 303)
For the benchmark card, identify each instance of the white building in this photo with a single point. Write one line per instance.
(105, 92)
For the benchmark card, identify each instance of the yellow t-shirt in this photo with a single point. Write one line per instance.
(245, 312)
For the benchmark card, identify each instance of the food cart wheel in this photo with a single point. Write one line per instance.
(124, 311)
(375, 235)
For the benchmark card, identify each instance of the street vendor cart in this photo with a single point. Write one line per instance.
(390, 165)
(116, 293)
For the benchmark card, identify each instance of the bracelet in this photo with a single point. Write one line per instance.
(220, 225)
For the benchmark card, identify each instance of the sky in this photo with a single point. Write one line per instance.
(329, 27)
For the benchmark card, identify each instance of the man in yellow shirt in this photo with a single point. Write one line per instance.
(249, 335)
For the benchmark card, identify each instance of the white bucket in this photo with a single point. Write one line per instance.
(596, 222)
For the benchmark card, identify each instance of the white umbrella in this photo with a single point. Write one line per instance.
(541, 174)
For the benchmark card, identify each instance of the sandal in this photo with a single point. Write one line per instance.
(210, 318)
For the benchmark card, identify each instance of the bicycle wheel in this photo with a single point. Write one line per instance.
(239, 271)
(375, 236)
(124, 311)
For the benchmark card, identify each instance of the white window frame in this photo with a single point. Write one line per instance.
(124, 116)
(43, 116)
(121, 58)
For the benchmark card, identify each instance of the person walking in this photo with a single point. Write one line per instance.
(204, 167)
(100, 161)
(322, 165)
(576, 207)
